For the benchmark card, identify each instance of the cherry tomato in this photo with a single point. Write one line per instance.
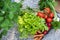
(47, 10)
(46, 17)
(49, 20)
(40, 14)
(51, 15)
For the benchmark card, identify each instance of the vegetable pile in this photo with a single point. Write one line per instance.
(48, 16)
(29, 23)
(50, 4)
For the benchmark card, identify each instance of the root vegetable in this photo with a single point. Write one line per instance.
(41, 35)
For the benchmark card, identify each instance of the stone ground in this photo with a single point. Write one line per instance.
(13, 34)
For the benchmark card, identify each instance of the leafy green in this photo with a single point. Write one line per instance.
(29, 23)
(8, 14)
(1, 18)
(56, 25)
(11, 15)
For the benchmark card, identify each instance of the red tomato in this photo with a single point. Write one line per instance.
(47, 10)
(40, 14)
(51, 15)
(46, 17)
(49, 20)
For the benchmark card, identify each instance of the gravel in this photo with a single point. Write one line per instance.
(13, 34)
(53, 35)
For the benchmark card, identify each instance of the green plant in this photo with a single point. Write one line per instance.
(29, 23)
(8, 14)
(56, 24)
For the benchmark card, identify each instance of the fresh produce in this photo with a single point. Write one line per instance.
(29, 23)
(48, 24)
(39, 32)
(38, 37)
(56, 24)
(47, 10)
(40, 14)
(47, 6)
(8, 15)
(49, 20)
(51, 15)
(46, 16)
